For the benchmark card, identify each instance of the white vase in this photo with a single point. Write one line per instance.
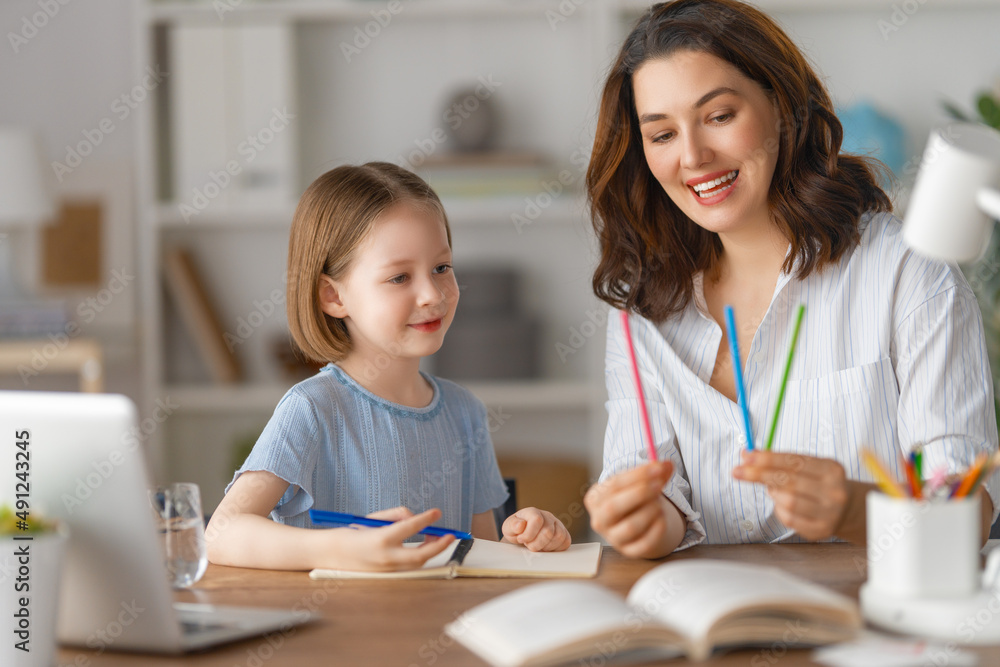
(30, 572)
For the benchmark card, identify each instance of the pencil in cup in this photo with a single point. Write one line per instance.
(884, 480)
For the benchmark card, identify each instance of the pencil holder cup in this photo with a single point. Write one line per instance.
(923, 549)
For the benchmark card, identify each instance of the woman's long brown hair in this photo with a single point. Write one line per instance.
(650, 250)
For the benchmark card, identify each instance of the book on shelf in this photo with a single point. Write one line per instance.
(488, 174)
(681, 608)
(486, 558)
(199, 315)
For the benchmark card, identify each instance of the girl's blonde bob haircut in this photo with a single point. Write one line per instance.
(333, 217)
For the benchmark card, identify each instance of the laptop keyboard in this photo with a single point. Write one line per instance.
(189, 627)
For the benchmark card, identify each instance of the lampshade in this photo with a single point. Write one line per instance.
(955, 195)
(25, 195)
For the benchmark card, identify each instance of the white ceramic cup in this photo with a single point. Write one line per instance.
(922, 549)
(181, 524)
(956, 193)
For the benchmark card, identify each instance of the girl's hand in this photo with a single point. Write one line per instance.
(381, 549)
(810, 494)
(630, 511)
(536, 529)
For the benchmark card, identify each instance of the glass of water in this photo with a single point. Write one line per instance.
(177, 508)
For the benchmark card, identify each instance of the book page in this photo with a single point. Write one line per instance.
(550, 623)
(693, 595)
(491, 559)
(498, 559)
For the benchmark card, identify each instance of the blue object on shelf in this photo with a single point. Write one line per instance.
(868, 131)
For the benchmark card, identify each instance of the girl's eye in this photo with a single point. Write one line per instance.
(442, 268)
(398, 280)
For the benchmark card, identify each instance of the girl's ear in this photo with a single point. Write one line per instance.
(329, 298)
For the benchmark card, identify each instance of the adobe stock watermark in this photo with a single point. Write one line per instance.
(794, 634)
(104, 468)
(273, 641)
(454, 116)
(596, 319)
(33, 24)
(429, 491)
(637, 619)
(262, 311)
(363, 35)
(88, 310)
(121, 108)
(566, 179)
(562, 12)
(248, 149)
(901, 13)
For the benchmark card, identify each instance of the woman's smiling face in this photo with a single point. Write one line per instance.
(710, 137)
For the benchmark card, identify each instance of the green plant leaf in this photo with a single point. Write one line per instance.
(952, 109)
(989, 109)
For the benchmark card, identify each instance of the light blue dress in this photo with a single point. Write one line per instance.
(343, 449)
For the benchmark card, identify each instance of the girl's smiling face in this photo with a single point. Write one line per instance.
(710, 137)
(399, 295)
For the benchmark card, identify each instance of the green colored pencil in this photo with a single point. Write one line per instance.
(784, 380)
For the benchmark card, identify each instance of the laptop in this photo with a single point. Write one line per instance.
(87, 469)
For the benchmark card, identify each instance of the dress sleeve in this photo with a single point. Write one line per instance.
(945, 387)
(288, 448)
(624, 443)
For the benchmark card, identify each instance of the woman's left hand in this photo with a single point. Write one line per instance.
(810, 494)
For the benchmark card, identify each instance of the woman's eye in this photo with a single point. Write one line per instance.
(663, 138)
(722, 118)
(442, 268)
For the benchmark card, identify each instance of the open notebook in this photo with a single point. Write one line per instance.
(485, 558)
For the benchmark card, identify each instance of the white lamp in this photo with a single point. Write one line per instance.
(25, 195)
(956, 194)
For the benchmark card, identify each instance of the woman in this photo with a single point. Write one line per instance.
(715, 180)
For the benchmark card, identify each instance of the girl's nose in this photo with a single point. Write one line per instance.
(430, 292)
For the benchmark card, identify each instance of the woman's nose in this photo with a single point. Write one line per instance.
(695, 151)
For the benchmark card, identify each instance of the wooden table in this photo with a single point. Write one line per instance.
(402, 622)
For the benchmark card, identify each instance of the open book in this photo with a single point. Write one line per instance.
(686, 607)
(485, 558)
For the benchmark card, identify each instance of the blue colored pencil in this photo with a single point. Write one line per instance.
(741, 392)
(324, 518)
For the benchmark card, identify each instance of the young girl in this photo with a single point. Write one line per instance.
(370, 290)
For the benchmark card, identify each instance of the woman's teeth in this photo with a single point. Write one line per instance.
(702, 189)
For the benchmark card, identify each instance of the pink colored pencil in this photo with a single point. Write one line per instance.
(638, 387)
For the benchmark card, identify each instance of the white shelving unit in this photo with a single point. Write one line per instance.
(377, 105)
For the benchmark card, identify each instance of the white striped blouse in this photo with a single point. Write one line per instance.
(891, 353)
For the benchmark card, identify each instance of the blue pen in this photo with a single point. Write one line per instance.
(741, 392)
(324, 518)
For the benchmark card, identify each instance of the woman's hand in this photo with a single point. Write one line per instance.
(381, 549)
(810, 494)
(630, 511)
(536, 529)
